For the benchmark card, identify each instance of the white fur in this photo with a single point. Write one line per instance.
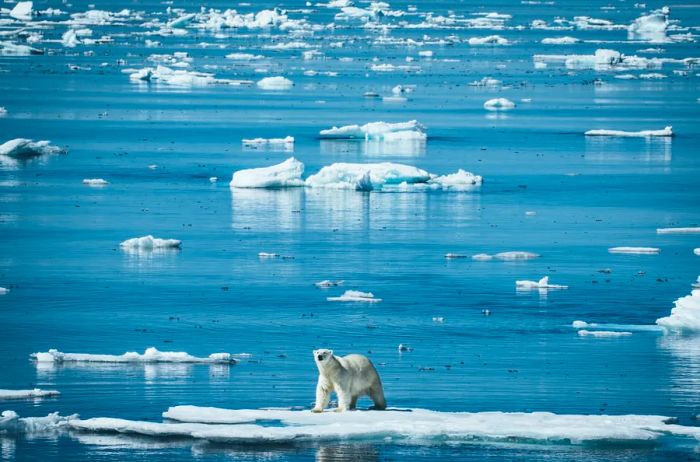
(350, 377)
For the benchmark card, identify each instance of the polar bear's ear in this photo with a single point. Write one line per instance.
(330, 352)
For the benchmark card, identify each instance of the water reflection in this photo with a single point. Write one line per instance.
(268, 209)
(617, 149)
(685, 367)
(374, 148)
(151, 372)
(7, 448)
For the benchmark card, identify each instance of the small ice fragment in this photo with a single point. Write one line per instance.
(328, 283)
(560, 40)
(482, 257)
(95, 182)
(530, 213)
(541, 284)
(603, 333)
(450, 256)
(27, 394)
(696, 251)
(4, 290)
(149, 243)
(411, 130)
(489, 40)
(213, 179)
(668, 131)
(268, 255)
(499, 104)
(275, 83)
(438, 319)
(692, 230)
(355, 296)
(153, 166)
(634, 250)
(516, 255)
(404, 348)
(579, 324)
(486, 312)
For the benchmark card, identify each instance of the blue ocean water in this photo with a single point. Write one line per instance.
(74, 289)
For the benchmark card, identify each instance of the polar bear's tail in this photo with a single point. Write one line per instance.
(376, 393)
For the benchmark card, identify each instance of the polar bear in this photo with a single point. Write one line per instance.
(350, 377)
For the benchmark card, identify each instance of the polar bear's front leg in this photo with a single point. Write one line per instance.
(323, 395)
(343, 401)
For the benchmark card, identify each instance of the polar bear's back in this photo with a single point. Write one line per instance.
(358, 364)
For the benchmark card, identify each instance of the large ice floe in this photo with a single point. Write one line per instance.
(151, 355)
(275, 83)
(181, 77)
(22, 11)
(284, 175)
(666, 132)
(150, 243)
(12, 423)
(14, 49)
(408, 426)
(401, 131)
(651, 27)
(610, 60)
(34, 393)
(383, 176)
(685, 315)
(23, 148)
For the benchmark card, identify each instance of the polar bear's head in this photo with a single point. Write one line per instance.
(321, 357)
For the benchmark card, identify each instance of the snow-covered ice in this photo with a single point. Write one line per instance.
(685, 315)
(634, 250)
(686, 230)
(27, 394)
(149, 243)
(560, 40)
(22, 148)
(283, 175)
(151, 355)
(541, 284)
(651, 27)
(499, 104)
(275, 83)
(95, 182)
(355, 296)
(411, 130)
(12, 423)
(22, 11)
(603, 333)
(667, 131)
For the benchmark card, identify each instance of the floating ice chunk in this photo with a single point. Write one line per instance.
(149, 243)
(696, 251)
(23, 148)
(213, 179)
(560, 40)
(499, 104)
(490, 40)
(433, 427)
(486, 82)
(27, 394)
(634, 250)
(3, 111)
(70, 39)
(22, 11)
(151, 355)
(283, 175)
(651, 27)
(685, 315)
(689, 230)
(244, 56)
(99, 17)
(516, 255)
(403, 348)
(268, 255)
(4, 290)
(13, 49)
(603, 333)
(668, 131)
(328, 283)
(275, 83)
(541, 284)
(182, 21)
(95, 182)
(366, 177)
(180, 77)
(355, 296)
(378, 131)
(581, 325)
(652, 76)
(285, 144)
(452, 256)
(11, 422)
(438, 319)
(459, 181)
(482, 257)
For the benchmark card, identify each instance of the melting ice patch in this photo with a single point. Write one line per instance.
(635, 250)
(411, 130)
(666, 132)
(27, 394)
(151, 355)
(12, 423)
(685, 315)
(149, 243)
(603, 333)
(355, 296)
(687, 230)
(23, 148)
(180, 77)
(414, 426)
(542, 284)
(283, 175)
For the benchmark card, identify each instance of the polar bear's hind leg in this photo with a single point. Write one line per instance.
(377, 394)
